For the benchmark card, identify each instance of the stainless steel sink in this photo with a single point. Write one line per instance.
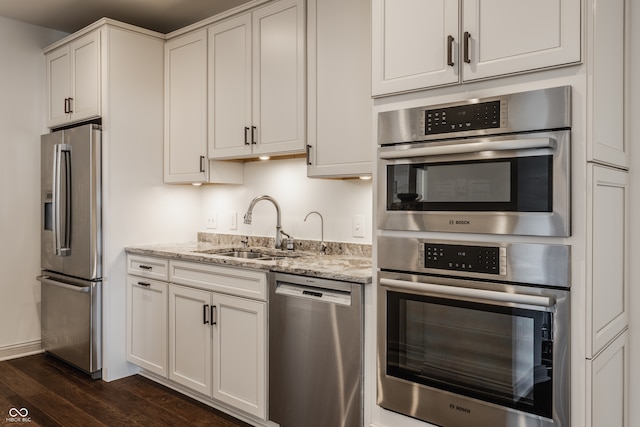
(249, 254)
(243, 254)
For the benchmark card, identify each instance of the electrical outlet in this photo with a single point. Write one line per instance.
(212, 220)
(357, 226)
(233, 221)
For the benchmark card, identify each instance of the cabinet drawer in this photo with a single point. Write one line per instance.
(153, 268)
(228, 280)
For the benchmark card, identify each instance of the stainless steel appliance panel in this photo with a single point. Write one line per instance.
(71, 322)
(456, 387)
(71, 202)
(315, 352)
(519, 112)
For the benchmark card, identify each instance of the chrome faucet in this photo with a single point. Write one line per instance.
(247, 216)
(323, 246)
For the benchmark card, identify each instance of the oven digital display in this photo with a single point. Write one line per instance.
(485, 115)
(477, 259)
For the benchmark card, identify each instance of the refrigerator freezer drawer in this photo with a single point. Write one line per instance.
(71, 325)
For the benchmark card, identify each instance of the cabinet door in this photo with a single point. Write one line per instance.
(239, 353)
(279, 78)
(339, 107)
(147, 324)
(607, 240)
(230, 88)
(607, 33)
(608, 392)
(190, 338)
(58, 85)
(411, 45)
(506, 36)
(85, 59)
(185, 140)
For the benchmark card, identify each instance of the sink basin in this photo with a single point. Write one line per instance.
(243, 254)
(250, 254)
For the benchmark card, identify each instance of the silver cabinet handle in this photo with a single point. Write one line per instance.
(467, 37)
(450, 41)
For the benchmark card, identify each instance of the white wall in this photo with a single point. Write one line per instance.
(297, 195)
(21, 123)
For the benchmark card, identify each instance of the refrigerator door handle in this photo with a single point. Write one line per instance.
(49, 281)
(61, 229)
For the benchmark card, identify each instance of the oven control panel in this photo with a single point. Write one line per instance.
(477, 259)
(483, 115)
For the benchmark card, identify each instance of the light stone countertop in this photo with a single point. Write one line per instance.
(344, 262)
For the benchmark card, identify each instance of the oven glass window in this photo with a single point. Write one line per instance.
(521, 184)
(497, 354)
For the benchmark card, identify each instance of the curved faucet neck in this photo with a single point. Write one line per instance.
(278, 216)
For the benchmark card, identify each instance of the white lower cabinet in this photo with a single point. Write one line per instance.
(214, 342)
(609, 374)
(147, 324)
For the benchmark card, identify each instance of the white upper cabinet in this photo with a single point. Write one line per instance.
(607, 32)
(186, 108)
(186, 158)
(339, 106)
(257, 82)
(411, 48)
(418, 43)
(73, 81)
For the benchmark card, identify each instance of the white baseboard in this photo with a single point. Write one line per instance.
(20, 350)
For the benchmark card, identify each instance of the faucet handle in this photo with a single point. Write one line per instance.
(245, 241)
(288, 242)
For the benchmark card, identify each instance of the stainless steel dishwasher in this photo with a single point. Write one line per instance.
(315, 352)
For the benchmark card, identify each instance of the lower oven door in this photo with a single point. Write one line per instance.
(458, 353)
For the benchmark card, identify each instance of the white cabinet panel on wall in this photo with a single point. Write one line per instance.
(147, 324)
(506, 36)
(186, 158)
(608, 30)
(421, 44)
(73, 81)
(608, 257)
(190, 338)
(608, 374)
(185, 139)
(411, 47)
(339, 108)
(275, 123)
(239, 357)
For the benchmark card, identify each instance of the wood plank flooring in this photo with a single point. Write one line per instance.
(57, 395)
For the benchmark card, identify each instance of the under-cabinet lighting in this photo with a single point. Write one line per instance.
(365, 177)
(196, 184)
(264, 157)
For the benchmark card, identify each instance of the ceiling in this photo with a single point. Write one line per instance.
(69, 16)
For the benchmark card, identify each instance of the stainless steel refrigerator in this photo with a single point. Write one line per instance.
(71, 246)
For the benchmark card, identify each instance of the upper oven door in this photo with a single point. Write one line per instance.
(513, 184)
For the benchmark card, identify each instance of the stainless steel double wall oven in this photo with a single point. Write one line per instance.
(476, 331)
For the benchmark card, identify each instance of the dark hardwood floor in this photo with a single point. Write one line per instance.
(55, 394)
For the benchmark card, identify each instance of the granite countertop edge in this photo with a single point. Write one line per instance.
(348, 268)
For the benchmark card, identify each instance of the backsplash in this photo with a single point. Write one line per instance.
(332, 248)
(337, 200)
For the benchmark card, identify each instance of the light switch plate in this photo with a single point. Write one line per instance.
(357, 226)
(233, 221)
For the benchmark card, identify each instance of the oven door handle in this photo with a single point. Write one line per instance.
(471, 294)
(468, 147)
